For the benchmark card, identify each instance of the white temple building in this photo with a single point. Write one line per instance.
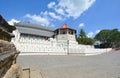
(32, 39)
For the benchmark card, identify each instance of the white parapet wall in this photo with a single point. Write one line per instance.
(32, 45)
(91, 51)
(54, 49)
(31, 39)
(40, 49)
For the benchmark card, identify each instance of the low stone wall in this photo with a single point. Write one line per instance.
(90, 51)
(15, 71)
(43, 53)
(8, 54)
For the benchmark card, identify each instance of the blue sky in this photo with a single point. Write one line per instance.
(90, 15)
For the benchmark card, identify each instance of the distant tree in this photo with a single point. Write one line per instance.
(111, 37)
(83, 39)
(89, 41)
(82, 34)
(103, 35)
(115, 38)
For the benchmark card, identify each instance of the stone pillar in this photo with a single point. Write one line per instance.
(58, 31)
(67, 31)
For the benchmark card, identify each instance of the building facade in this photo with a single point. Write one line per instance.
(8, 52)
(32, 39)
(6, 30)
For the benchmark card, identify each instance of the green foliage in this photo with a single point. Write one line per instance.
(83, 39)
(82, 34)
(103, 35)
(111, 37)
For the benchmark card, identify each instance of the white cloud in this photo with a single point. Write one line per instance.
(81, 25)
(53, 15)
(97, 31)
(37, 18)
(90, 34)
(12, 21)
(72, 8)
(62, 9)
(51, 4)
(44, 13)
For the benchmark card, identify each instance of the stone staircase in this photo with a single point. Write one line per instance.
(32, 72)
(18, 72)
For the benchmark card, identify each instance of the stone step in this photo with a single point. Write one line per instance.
(32, 72)
(26, 73)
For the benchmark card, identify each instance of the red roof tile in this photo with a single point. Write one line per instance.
(65, 26)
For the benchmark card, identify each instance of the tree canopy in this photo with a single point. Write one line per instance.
(82, 34)
(83, 39)
(112, 37)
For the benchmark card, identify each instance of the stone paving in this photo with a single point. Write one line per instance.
(106, 65)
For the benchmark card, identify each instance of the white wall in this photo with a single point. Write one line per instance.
(66, 37)
(30, 45)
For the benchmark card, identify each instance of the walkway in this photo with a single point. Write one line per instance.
(106, 65)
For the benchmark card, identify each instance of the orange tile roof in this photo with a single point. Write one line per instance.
(65, 26)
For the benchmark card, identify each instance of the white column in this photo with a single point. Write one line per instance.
(58, 31)
(67, 31)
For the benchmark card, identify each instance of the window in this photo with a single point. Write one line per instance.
(63, 32)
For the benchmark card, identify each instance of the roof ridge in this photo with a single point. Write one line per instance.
(65, 26)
